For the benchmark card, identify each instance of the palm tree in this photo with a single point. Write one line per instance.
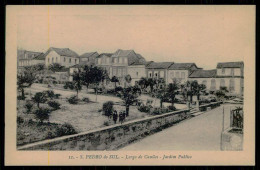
(172, 91)
(115, 80)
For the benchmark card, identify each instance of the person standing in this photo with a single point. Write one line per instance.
(115, 116)
(121, 117)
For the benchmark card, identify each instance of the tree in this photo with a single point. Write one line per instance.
(25, 80)
(221, 93)
(201, 88)
(85, 76)
(39, 97)
(128, 79)
(143, 82)
(151, 83)
(172, 91)
(77, 81)
(96, 75)
(129, 96)
(115, 80)
(55, 67)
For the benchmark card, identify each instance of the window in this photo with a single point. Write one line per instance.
(222, 83)
(64, 59)
(136, 74)
(119, 72)
(232, 72)
(120, 60)
(107, 60)
(75, 61)
(182, 75)
(150, 74)
(155, 74)
(213, 85)
(52, 59)
(70, 60)
(231, 85)
(223, 70)
(177, 75)
(99, 61)
(48, 60)
(114, 71)
(204, 82)
(56, 59)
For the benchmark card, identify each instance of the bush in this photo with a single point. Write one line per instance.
(108, 108)
(117, 89)
(57, 96)
(157, 111)
(21, 97)
(28, 106)
(20, 120)
(42, 114)
(65, 129)
(54, 82)
(73, 100)
(55, 105)
(50, 94)
(65, 86)
(144, 108)
(172, 108)
(86, 99)
(106, 123)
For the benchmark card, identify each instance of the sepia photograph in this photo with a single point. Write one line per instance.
(132, 78)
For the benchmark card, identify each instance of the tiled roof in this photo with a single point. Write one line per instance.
(203, 73)
(122, 53)
(63, 52)
(30, 54)
(181, 66)
(87, 55)
(106, 54)
(159, 65)
(231, 64)
(41, 56)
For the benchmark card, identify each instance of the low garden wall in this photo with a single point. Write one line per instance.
(210, 105)
(232, 140)
(116, 136)
(112, 137)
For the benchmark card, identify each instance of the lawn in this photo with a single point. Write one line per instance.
(83, 116)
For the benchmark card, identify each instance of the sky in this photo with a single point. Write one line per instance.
(205, 35)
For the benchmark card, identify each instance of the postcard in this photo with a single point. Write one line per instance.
(130, 85)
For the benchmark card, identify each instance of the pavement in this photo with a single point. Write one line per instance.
(202, 132)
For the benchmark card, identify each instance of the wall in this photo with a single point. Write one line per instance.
(133, 70)
(60, 59)
(110, 138)
(172, 74)
(231, 141)
(48, 58)
(237, 72)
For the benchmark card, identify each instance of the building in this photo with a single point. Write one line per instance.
(231, 75)
(123, 62)
(104, 61)
(228, 74)
(62, 56)
(206, 77)
(29, 58)
(88, 58)
(158, 70)
(136, 70)
(180, 72)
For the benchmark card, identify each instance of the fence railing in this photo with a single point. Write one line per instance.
(236, 118)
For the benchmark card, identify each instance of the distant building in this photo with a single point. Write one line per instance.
(88, 58)
(180, 72)
(158, 70)
(62, 56)
(29, 58)
(123, 62)
(104, 61)
(228, 74)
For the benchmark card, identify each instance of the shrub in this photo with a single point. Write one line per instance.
(39, 97)
(86, 99)
(28, 106)
(55, 105)
(42, 114)
(108, 108)
(57, 96)
(20, 120)
(54, 82)
(65, 86)
(172, 108)
(73, 100)
(144, 108)
(106, 123)
(50, 94)
(117, 89)
(21, 97)
(65, 129)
